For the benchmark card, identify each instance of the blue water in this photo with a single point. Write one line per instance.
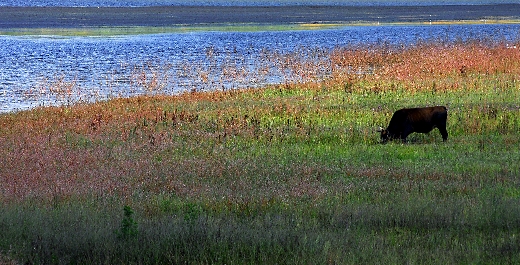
(96, 68)
(130, 3)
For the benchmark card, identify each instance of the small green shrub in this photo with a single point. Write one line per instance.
(128, 228)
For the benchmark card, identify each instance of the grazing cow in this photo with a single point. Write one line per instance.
(420, 120)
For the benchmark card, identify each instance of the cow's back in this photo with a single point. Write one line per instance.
(421, 120)
(425, 119)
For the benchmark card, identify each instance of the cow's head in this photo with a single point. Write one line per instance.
(384, 134)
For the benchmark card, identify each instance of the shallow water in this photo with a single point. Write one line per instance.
(45, 70)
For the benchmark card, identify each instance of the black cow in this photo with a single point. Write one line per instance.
(420, 120)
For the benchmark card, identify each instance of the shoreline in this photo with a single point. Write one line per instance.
(12, 18)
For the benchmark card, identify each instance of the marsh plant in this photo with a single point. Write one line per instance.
(423, 65)
(428, 63)
(289, 173)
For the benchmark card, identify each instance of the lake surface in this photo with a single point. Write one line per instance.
(46, 70)
(133, 3)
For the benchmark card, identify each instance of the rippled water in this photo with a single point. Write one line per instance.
(102, 67)
(129, 3)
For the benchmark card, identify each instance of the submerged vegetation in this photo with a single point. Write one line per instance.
(285, 174)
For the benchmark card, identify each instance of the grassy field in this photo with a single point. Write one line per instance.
(286, 174)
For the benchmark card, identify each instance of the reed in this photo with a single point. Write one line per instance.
(287, 173)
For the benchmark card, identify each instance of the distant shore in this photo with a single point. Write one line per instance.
(169, 16)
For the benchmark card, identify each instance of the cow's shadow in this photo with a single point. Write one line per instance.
(419, 139)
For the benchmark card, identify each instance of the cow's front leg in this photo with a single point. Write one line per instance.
(404, 135)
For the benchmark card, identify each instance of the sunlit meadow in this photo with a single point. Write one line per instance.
(292, 173)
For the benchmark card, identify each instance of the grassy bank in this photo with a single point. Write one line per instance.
(235, 27)
(290, 174)
(181, 28)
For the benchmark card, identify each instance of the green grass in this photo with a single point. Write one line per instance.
(289, 174)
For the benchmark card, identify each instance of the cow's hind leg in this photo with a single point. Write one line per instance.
(444, 133)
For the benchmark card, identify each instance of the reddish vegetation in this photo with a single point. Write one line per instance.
(427, 62)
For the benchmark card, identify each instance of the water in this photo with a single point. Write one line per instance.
(44, 70)
(134, 3)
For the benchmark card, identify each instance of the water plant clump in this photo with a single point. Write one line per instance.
(288, 173)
